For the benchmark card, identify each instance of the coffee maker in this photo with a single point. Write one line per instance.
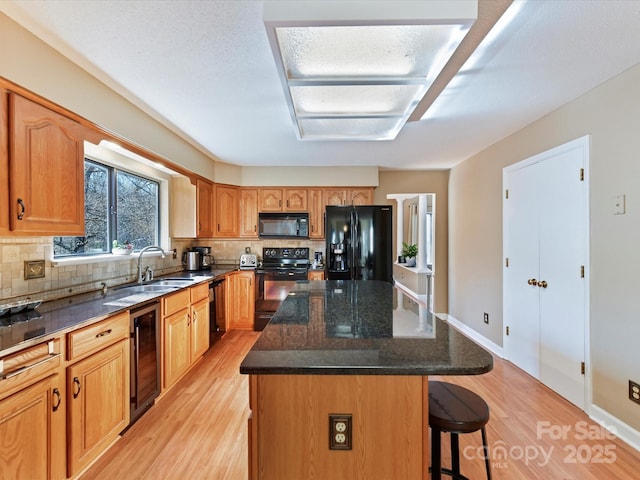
(337, 257)
(206, 259)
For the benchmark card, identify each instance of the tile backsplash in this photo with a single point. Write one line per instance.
(65, 280)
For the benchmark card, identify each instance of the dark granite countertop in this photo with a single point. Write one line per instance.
(29, 328)
(361, 328)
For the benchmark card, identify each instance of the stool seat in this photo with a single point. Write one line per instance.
(456, 410)
(453, 408)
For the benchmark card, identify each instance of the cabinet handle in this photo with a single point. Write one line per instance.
(102, 334)
(188, 319)
(218, 227)
(22, 209)
(195, 317)
(56, 392)
(76, 381)
(542, 284)
(532, 281)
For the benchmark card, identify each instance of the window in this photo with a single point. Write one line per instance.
(118, 206)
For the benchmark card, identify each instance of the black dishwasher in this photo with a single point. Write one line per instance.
(145, 358)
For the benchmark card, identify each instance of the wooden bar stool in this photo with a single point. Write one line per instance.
(456, 410)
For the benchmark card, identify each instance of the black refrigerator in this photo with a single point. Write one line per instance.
(358, 242)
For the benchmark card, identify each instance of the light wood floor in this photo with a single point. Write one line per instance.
(199, 429)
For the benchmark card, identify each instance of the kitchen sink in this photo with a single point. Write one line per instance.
(171, 283)
(150, 288)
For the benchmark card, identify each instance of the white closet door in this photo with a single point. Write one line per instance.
(546, 238)
(521, 300)
(562, 253)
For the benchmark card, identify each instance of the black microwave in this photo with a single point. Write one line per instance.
(283, 225)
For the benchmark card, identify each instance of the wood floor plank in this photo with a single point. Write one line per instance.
(198, 430)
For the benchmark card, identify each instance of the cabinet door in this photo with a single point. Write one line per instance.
(335, 196)
(240, 301)
(226, 208)
(361, 196)
(316, 213)
(46, 168)
(199, 329)
(270, 199)
(4, 162)
(32, 432)
(316, 274)
(295, 200)
(248, 212)
(99, 403)
(177, 349)
(204, 208)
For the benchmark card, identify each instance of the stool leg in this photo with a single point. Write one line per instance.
(436, 461)
(455, 455)
(485, 446)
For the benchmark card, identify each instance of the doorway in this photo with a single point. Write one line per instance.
(545, 274)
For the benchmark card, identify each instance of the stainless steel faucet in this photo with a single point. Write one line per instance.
(141, 277)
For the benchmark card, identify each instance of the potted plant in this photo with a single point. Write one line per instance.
(409, 252)
(121, 248)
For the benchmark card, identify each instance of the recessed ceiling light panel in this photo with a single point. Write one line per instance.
(369, 61)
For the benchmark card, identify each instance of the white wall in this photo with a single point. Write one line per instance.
(611, 114)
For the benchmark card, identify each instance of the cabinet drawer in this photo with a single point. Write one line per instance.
(29, 365)
(199, 292)
(175, 302)
(97, 336)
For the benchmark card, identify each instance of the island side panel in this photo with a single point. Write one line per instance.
(289, 427)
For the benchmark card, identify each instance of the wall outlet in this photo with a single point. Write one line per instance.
(634, 392)
(340, 431)
(486, 318)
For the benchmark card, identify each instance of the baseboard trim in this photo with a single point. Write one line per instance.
(472, 334)
(624, 432)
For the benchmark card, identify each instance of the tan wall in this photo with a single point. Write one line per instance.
(420, 181)
(611, 115)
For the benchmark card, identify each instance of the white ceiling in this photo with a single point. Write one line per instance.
(204, 68)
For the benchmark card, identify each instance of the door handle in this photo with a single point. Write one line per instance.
(542, 284)
(56, 392)
(532, 281)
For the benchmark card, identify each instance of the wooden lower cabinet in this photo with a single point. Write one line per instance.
(177, 355)
(32, 432)
(289, 435)
(199, 329)
(240, 300)
(316, 274)
(185, 331)
(98, 403)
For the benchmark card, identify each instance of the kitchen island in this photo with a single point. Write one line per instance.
(361, 350)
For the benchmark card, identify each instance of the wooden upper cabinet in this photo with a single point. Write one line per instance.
(348, 196)
(333, 196)
(316, 213)
(46, 168)
(295, 199)
(4, 161)
(248, 212)
(226, 208)
(282, 200)
(270, 200)
(204, 208)
(361, 196)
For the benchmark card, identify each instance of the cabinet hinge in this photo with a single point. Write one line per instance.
(507, 331)
(582, 174)
(506, 262)
(506, 193)
(581, 271)
(582, 368)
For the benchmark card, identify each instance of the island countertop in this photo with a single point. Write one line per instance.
(342, 327)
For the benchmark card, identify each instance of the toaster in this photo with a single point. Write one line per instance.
(248, 261)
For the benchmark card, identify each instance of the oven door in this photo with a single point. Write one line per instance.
(272, 287)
